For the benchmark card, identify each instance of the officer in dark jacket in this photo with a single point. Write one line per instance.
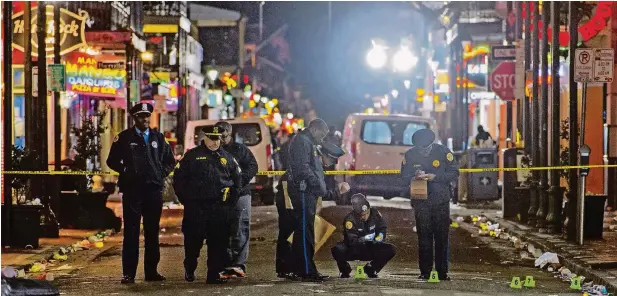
(434, 164)
(207, 181)
(306, 183)
(143, 158)
(364, 236)
(287, 218)
(240, 217)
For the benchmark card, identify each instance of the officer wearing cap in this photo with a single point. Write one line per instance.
(143, 159)
(207, 181)
(240, 216)
(434, 164)
(364, 235)
(287, 219)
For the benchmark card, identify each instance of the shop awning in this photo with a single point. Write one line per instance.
(208, 16)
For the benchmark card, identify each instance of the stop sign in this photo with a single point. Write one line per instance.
(502, 80)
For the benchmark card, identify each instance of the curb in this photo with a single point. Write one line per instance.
(575, 265)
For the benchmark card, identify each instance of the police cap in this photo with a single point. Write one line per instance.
(212, 131)
(142, 108)
(359, 203)
(423, 137)
(331, 150)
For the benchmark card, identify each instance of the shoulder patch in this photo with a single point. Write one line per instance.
(436, 163)
(224, 160)
(348, 225)
(450, 156)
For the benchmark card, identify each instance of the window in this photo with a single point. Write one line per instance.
(390, 132)
(248, 134)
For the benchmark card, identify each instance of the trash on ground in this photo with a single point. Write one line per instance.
(9, 272)
(546, 258)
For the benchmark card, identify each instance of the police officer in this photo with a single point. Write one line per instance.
(364, 236)
(143, 158)
(306, 183)
(207, 181)
(287, 219)
(435, 164)
(240, 217)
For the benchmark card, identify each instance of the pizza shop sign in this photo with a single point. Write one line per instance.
(96, 76)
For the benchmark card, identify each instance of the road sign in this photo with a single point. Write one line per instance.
(519, 70)
(35, 81)
(56, 78)
(502, 80)
(503, 53)
(583, 65)
(603, 61)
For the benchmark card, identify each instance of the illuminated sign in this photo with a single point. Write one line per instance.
(482, 95)
(475, 69)
(98, 76)
(72, 31)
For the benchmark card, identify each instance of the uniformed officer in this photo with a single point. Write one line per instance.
(143, 158)
(435, 164)
(240, 216)
(287, 218)
(306, 183)
(364, 236)
(207, 181)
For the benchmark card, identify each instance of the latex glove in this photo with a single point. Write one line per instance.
(419, 175)
(427, 177)
(379, 238)
(369, 237)
(343, 187)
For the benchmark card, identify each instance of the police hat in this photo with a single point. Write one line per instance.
(142, 108)
(331, 150)
(359, 203)
(423, 137)
(212, 130)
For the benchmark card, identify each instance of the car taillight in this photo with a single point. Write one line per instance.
(352, 155)
(269, 156)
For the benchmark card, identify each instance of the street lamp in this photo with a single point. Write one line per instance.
(407, 84)
(404, 59)
(212, 74)
(377, 57)
(394, 93)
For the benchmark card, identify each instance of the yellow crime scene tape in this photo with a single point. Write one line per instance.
(359, 172)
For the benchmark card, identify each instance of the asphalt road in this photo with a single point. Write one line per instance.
(478, 265)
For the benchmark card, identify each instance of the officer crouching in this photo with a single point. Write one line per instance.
(364, 236)
(431, 167)
(330, 153)
(143, 158)
(206, 182)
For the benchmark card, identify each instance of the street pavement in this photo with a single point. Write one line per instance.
(478, 266)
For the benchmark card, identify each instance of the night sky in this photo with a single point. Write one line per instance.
(331, 65)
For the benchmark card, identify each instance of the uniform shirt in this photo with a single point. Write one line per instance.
(440, 161)
(146, 133)
(207, 176)
(354, 228)
(140, 161)
(247, 162)
(305, 164)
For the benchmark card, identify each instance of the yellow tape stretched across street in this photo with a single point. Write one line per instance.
(359, 172)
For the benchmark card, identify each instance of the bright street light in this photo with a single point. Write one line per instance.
(377, 57)
(394, 93)
(212, 74)
(407, 84)
(404, 60)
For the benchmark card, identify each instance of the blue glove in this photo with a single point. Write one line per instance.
(379, 238)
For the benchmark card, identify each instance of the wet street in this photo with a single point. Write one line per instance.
(478, 265)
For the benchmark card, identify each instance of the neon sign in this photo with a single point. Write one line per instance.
(86, 75)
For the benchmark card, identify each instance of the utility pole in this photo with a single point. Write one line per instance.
(518, 37)
(55, 204)
(7, 12)
(573, 129)
(40, 101)
(509, 39)
(556, 192)
(526, 111)
(543, 151)
(534, 115)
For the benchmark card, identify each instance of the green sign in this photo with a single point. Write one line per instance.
(134, 90)
(56, 78)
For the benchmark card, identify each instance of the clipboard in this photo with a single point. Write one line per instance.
(418, 189)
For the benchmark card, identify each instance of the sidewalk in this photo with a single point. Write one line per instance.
(596, 260)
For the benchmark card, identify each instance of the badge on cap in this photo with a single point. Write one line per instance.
(364, 208)
(155, 145)
(216, 130)
(144, 107)
(436, 163)
(450, 156)
(348, 225)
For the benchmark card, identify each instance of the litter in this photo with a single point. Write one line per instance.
(9, 272)
(63, 267)
(98, 245)
(163, 229)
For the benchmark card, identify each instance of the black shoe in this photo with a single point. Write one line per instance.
(424, 277)
(345, 275)
(370, 272)
(216, 281)
(286, 275)
(444, 277)
(157, 277)
(189, 276)
(127, 279)
(318, 277)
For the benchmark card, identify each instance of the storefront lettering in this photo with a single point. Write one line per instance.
(72, 30)
(84, 76)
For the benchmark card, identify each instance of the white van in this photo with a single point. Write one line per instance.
(377, 142)
(254, 133)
